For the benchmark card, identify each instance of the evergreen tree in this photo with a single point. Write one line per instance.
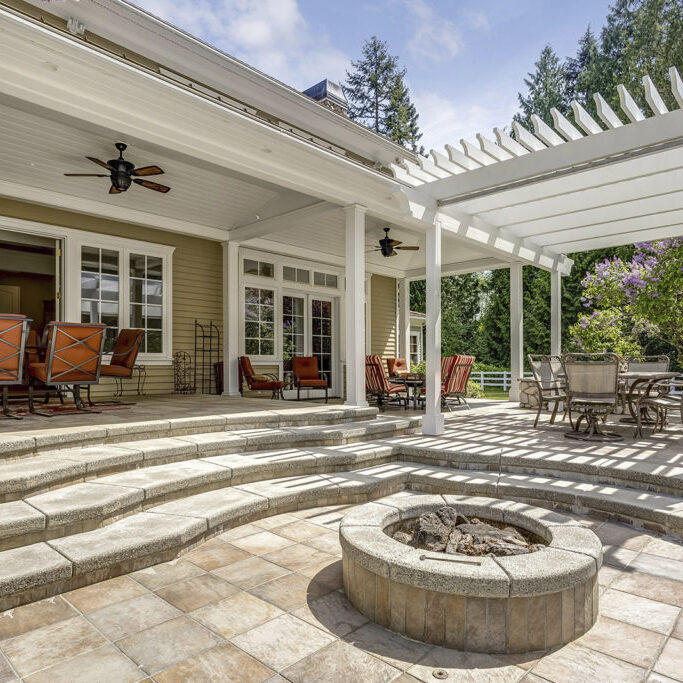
(546, 88)
(579, 71)
(378, 96)
(494, 330)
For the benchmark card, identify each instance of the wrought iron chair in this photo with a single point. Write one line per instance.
(659, 397)
(258, 382)
(13, 333)
(550, 383)
(306, 375)
(592, 388)
(397, 367)
(73, 357)
(640, 364)
(378, 385)
(456, 385)
(120, 367)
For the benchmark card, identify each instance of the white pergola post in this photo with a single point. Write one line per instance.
(516, 329)
(231, 318)
(555, 312)
(404, 318)
(355, 305)
(433, 420)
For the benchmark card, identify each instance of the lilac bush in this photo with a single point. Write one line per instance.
(631, 303)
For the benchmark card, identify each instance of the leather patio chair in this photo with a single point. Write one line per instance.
(592, 389)
(377, 384)
(306, 375)
(397, 367)
(73, 357)
(122, 362)
(13, 334)
(259, 382)
(550, 383)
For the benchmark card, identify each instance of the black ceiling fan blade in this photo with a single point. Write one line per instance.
(104, 164)
(147, 170)
(408, 248)
(114, 190)
(395, 243)
(87, 175)
(152, 186)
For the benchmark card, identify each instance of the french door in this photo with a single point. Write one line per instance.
(308, 329)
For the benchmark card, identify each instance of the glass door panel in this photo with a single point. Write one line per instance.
(321, 334)
(293, 329)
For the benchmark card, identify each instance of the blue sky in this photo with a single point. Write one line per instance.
(465, 59)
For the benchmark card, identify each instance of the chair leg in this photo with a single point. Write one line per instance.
(538, 412)
(5, 405)
(79, 402)
(554, 415)
(326, 390)
(298, 393)
(31, 401)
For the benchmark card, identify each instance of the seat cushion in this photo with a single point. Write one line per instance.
(313, 383)
(270, 385)
(38, 370)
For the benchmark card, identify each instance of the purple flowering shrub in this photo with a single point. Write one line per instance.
(630, 303)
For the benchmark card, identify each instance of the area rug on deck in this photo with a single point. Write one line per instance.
(66, 409)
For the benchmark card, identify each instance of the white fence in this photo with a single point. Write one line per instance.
(500, 380)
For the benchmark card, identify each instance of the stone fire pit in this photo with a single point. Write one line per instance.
(511, 604)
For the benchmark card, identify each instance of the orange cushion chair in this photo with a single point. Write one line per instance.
(120, 367)
(307, 376)
(259, 382)
(398, 367)
(13, 334)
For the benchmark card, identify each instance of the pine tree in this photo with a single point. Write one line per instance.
(378, 96)
(546, 88)
(579, 71)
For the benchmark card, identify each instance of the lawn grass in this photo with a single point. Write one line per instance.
(496, 394)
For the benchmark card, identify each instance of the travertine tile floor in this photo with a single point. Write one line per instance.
(264, 602)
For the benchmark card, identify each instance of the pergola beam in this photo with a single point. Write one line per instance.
(461, 268)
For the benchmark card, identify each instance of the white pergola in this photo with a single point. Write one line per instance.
(278, 184)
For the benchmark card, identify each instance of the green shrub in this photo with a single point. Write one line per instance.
(474, 390)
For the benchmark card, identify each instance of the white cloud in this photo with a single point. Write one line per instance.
(447, 120)
(271, 35)
(435, 38)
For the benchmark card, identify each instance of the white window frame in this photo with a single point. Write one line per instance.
(73, 241)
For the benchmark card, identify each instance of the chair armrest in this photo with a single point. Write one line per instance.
(275, 378)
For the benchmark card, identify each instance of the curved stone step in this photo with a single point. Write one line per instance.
(162, 532)
(21, 444)
(22, 477)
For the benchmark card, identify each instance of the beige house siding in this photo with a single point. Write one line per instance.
(383, 316)
(197, 276)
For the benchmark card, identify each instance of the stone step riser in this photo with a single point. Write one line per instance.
(21, 487)
(20, 445)
(61, 574)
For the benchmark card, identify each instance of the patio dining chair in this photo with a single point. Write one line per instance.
(659, 396)
(73, 358)
(640, 364)
(259, 381)
(379, 386)
(447, 364)
(397, 367)
(306, 375)
(122, 362)
(550, 383)
(13, 333)
(592, 390)
(459, 375)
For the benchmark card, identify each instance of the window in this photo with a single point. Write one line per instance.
(296, 275)
(324, 280)
(260, 268)
(293, 327)
(259, 321)
(415, 347)
(146, 299)
(321, 337)
(100, 291)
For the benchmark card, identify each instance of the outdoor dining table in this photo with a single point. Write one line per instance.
(640, 378)
(414, 385)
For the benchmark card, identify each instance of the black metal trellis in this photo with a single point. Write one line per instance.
(207, 344)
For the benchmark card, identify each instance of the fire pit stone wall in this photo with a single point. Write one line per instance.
(509, 604)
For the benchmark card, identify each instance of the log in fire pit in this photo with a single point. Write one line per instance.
(474, 574)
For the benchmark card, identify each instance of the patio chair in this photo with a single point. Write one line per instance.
(447, 363)
(397, 367)
(13, 333)
(592, 389)
(306, 375)
(73, 357)
(459, 375)
(659, 397)
(550, 383)
(259, 381)
(120, 367)
(640, 364)
(378, 385)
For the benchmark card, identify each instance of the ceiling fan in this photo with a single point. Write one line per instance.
(121, 173)
(388, 246)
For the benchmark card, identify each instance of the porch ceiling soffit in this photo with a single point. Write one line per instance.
(75, 84)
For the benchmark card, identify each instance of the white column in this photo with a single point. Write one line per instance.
(555, 312)
(516, 329)
(355, 305)
(404, 318)
(231, 318)
(433, 421)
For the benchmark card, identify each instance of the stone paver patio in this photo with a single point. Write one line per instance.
(264, 601)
